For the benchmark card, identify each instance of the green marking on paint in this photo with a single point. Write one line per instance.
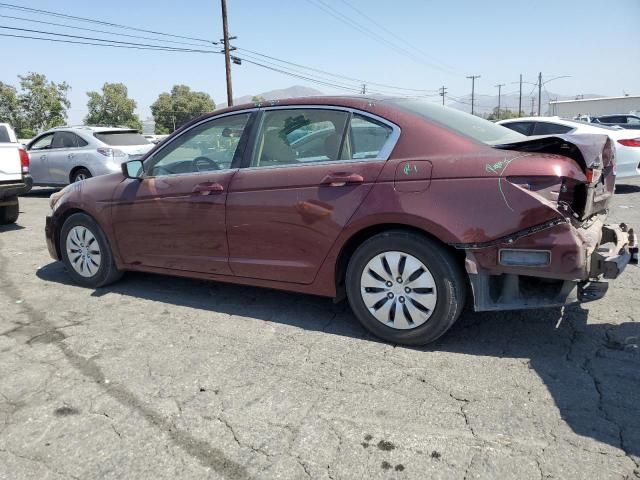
(408, 169)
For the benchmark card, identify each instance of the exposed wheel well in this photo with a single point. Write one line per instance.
(74, 170)
(63, 218)
(357, 239)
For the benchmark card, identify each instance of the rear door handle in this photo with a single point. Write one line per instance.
(340, 179)
(208, 188)
(43, 157)
(70, 156)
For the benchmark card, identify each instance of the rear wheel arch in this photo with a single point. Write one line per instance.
(358, 238)
(75, 170)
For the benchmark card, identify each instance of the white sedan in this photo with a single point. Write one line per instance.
(627, 142)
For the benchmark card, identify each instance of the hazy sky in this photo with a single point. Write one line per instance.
(428, 44)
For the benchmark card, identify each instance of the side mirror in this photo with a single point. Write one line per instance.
(133, 169)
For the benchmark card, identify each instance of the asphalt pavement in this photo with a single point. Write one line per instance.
(162, 378)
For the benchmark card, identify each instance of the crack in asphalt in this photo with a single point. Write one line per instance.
(206, 454)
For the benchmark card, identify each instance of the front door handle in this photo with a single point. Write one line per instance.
(340, 179)
(208, 188)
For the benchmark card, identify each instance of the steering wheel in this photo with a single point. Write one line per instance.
(204, 164)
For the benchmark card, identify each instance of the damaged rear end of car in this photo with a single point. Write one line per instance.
(570, 256)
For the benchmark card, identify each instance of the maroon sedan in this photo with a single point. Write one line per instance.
(406, 207)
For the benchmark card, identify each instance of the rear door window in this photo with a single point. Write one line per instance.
(525, 128)
(121, 138)
(547, 128)
(298, 136)
(67, 140)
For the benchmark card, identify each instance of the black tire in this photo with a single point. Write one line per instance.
(446, 272)
(81, 172)
(9, 213)
(107, 272)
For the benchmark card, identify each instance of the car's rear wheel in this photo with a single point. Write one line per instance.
(86, 252)
(9, 213)
(80, 174)
(405, 288)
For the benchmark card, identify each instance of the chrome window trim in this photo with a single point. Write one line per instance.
(383, 154)
(205, 120)
(324, 162)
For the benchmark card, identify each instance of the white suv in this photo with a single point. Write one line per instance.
(65, 155)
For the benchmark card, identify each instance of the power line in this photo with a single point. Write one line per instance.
(356, 86)
(57, 40)
(344, 77)
(98, 31)
(90, 20)
(368, 32)
(163, 47)
(310, 79)
(397, 37)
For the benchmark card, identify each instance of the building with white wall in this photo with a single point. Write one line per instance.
(595, 106)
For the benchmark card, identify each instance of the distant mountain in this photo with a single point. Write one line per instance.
(484, 104)
(291, 92)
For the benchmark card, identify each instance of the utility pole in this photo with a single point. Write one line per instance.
(443, 92)
(500, 85)
(227, 53)
(473, 90)
(364, 89)
(533, 99)
(520, 98)
(539, 91)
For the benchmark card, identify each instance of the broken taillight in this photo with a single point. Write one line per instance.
(593, 175)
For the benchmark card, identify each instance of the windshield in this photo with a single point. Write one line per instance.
(468, 125)
(121, 138)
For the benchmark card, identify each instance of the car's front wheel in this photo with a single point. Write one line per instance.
(86, 252)
(405, 288)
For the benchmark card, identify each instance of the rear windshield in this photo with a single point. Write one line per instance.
(121, 138)
(4, 135)
(468, 125)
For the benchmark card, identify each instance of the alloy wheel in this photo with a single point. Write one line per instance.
(399, 290)
(83, 251)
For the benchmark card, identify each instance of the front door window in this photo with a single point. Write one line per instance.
(205, 148)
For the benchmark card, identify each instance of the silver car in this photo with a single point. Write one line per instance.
(65, 155)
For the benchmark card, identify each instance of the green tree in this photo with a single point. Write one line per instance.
(172, 110)
(10, 107)
(113, 107)
(258, 99)
(43, 104)
(503, 114)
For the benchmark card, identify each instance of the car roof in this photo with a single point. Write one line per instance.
(90, 128)
(350, 101)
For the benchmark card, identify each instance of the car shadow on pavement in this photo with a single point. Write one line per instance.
(10, 227)
(592, 371)
(628, 188)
